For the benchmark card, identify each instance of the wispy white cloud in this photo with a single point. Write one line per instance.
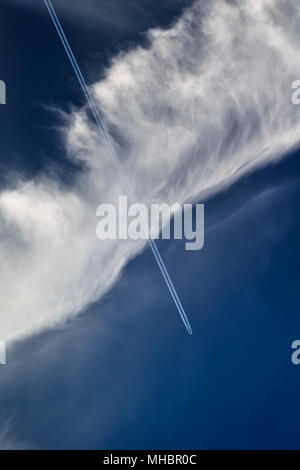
(208, 101)
(8, 440)
(121, 15)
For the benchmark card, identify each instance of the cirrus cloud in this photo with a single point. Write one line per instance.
(206, 102)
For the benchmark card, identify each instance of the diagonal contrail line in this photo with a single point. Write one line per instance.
(105, 134)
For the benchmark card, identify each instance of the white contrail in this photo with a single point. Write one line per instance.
(115, 159)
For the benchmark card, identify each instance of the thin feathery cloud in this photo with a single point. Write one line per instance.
(119, 15)
(206, 102)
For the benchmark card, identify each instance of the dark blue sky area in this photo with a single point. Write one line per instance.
(38, 74)
(125, 374)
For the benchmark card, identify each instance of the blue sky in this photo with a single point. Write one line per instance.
(122, 372)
